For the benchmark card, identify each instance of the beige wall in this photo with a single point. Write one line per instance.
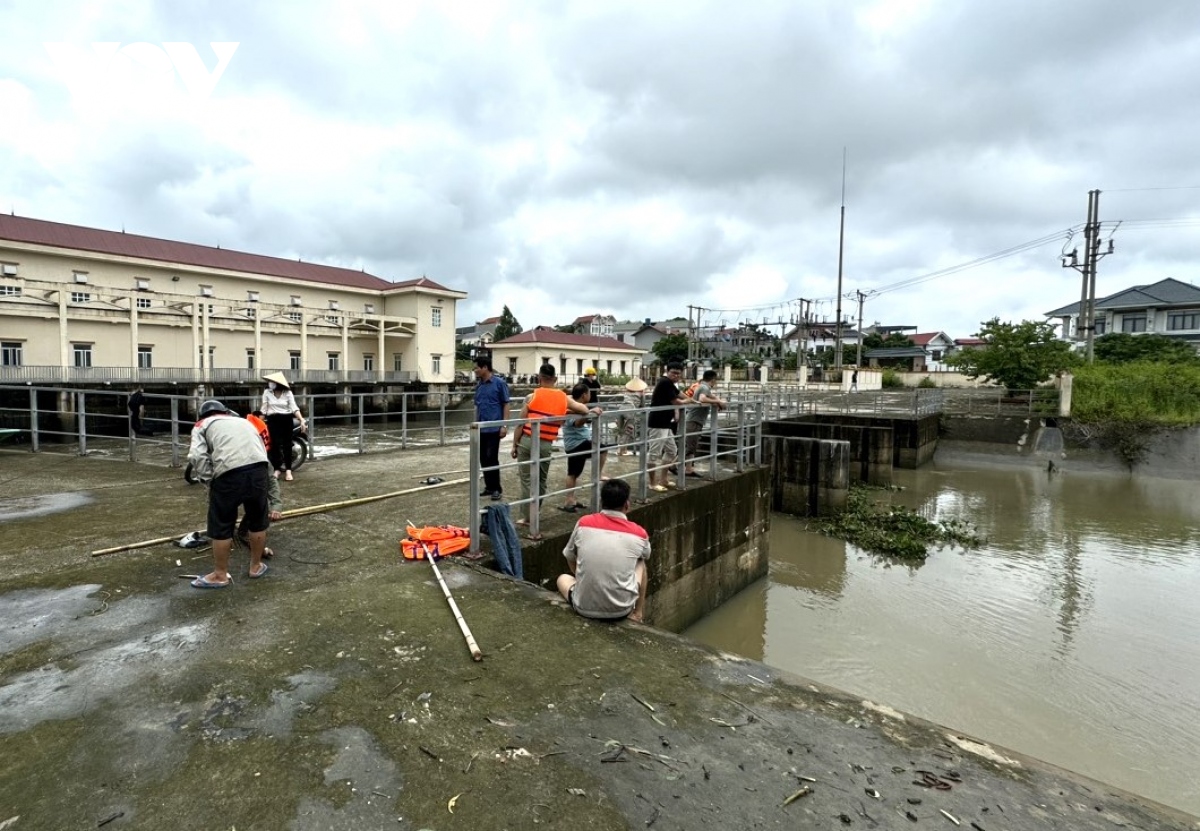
(176, 322)
(531, 356)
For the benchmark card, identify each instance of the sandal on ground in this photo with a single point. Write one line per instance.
(287, 476)
(570, 509)
(261, 572)
(659, 488)
(204, 583)
(522, 522)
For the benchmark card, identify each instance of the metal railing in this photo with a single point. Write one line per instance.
(188, 375)
(1040, 401)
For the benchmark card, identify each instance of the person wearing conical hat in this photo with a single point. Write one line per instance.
(627, 420)
(278, 409)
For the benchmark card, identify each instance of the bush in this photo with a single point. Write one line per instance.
(891, 379)
(927, 383)
(1160, 393)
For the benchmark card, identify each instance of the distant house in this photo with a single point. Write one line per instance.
(927, 354)
(969, 343)
(642, 335)
(481, 334)
(595, 325)
(1169, 307)
(568, 353)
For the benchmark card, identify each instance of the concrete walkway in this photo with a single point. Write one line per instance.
(337, 693)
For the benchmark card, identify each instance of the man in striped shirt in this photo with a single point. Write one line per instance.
(607, 555)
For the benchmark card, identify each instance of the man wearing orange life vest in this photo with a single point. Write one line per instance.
(545, 402)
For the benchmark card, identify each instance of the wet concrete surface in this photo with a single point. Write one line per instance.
(337, 693)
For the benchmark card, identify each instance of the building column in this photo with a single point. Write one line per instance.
(258, 367)
(345, 347)
(195, 334)
(303, 344)
(379, 367)
(133, 337)
(204, 340)
(64, 347)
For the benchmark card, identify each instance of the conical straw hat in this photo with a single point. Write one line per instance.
(279, 378)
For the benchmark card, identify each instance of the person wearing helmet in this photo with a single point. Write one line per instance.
(228, 452)
(591, 381)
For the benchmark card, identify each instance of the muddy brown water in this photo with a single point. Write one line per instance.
(1073, 635)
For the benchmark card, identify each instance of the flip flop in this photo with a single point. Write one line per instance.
(253, 576)
(202, 583)
(659, 488)
(570, 509)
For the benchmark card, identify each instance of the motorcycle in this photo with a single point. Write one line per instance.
(300, 453)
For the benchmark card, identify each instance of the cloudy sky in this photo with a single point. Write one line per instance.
(631, 158)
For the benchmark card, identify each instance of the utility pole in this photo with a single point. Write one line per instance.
(802, 358)
(837, 340)
(1085, 327)
(858, 357)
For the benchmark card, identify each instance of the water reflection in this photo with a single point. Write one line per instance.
(1069, 636)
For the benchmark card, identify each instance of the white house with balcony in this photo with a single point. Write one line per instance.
(521, 355)
(81, 305)
(1169, 307)
(598, 324)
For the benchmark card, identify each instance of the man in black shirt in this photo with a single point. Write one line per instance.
(663, 452)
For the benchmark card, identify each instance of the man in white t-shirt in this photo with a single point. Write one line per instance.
(607, 555)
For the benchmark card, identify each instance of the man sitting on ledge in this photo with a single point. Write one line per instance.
(606, 555)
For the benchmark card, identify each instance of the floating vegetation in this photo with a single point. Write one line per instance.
(893, 530)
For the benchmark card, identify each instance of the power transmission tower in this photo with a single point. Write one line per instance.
(1085, 327)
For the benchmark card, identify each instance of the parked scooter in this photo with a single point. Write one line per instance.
(300, 452)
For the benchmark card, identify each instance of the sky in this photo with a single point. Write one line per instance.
(629, 158)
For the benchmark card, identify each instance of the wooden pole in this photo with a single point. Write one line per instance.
(295, 512)
(462, 623)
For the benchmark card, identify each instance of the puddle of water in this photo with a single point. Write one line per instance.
(26, 507)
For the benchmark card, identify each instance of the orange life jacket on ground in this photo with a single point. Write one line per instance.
(441, 540)
(546, 402)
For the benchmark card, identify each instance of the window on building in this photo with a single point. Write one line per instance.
(1101, 325)
(334, 319)
(294, 317)
(437, 365)
(369, 308)
(82, 353)
(1183, 320)
(144, 302)
(579, 366)
(294, 361)
(512, 367)
(368, 363)
(251, 358)
(80, 297)
(622, 367)
(141, 284)
(936, 354)
(397, 362)
(145, 357)
(212, 350)
(11, 353)
(335, 361)
(437, 317)
(10, 291)
(1130, 323)
(609, 370)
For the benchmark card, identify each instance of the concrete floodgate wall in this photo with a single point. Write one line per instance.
(809, 477)
(914, 440)
(708, 543)
(871, 448)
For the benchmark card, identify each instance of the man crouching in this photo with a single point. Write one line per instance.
(606, 555)
(227, 451)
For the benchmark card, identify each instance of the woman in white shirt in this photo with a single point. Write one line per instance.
(278, 408)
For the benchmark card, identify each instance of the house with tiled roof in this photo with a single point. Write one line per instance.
(81, 305)
(481, 334)
(1169, 307)
(927, 354)
(598, 324)
(570, 354)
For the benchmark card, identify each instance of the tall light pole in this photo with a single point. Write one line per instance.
(837, 348)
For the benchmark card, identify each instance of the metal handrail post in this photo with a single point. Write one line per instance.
(174, 431)
(535, 478)
(361, 426)
(81, 421)
(758, 439)
(714, 444)
(594, 490)
(442, 417)
(681, 453)
(404, 421)
(643, 437)
(33, 421)
(473, 491)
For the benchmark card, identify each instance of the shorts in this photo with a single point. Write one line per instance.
(662, 446)
(241, 487)
(575, 609)
(578, 456)
(692, 443)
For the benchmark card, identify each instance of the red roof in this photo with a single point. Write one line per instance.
(924, 338)
(59, 235)
(970, 342)
(420, 282)
(551, 337)
(488, 321)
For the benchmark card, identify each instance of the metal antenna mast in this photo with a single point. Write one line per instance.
(837, 349)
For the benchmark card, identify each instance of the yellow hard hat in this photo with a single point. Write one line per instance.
(591, 370)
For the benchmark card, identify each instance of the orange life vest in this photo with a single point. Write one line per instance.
(545, 402)
(261, 427)
(441, 540)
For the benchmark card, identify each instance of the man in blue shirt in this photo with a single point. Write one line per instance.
(491, 404)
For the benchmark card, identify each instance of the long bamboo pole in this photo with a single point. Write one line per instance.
(295, 512)
(462, 623)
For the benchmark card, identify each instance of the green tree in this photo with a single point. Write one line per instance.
(508, 325)
(892, 341)
(671, 348)
(566, 329)
(1018, 355)
(1124, 348)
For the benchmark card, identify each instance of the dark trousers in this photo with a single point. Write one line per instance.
(279, 425)
(489, 459)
